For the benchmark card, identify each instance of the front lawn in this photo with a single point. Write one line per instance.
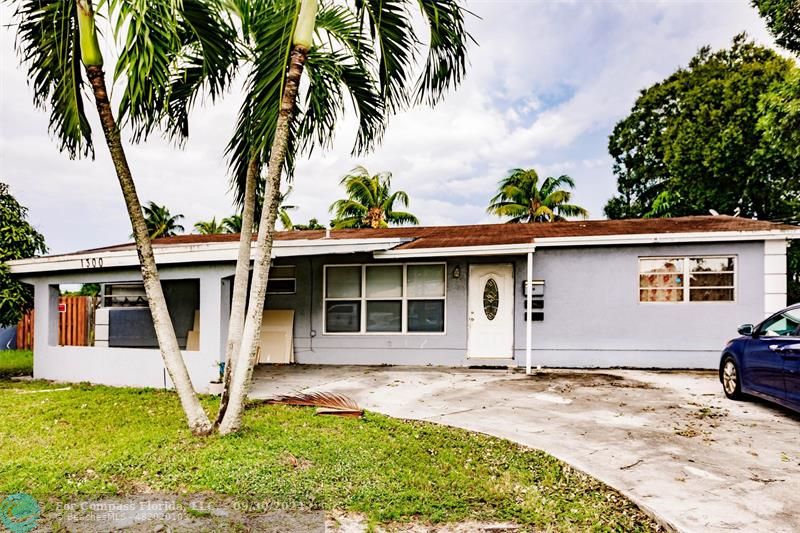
(91, 441)
(16, 363)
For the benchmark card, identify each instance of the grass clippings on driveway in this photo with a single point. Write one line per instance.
(92, 442)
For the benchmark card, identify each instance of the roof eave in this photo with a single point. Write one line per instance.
(195, 253)
(667, 238)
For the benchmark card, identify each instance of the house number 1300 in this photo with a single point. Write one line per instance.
(94, 262)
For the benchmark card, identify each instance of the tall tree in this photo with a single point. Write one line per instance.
(210, 227)
(522, 199)
(18, 240)
(783, 21)
(160, 222)
(367, 53)
(713, 135)
(370, 202)
(171, 52)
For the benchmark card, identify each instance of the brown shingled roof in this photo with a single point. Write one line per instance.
(499, 234)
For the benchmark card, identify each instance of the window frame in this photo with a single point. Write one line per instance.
(294, 279)
(364, 300)
(686, 274)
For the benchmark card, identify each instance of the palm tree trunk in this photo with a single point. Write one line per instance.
(239, 298)
(165, 331)
(248, 349)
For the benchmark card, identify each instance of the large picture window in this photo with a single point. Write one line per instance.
(407, 298)
(687, 279)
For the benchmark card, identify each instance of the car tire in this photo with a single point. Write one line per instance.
(731, 379)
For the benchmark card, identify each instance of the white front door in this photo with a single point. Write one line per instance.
(491, 311)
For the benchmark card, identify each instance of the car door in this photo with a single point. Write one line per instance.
(791, 365)
(765, 354)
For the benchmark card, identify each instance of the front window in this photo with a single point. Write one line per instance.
(405, 298)
(687, 279)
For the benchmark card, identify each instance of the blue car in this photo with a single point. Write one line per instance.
(765, 360)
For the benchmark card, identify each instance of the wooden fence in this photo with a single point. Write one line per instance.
(25, 332)
(75, 323)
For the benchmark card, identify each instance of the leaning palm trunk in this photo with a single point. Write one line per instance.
(239, 298)
(246, 358)
(165, 332)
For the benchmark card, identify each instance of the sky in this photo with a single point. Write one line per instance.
(545, 86)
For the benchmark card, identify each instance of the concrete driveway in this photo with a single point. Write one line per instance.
(670, 441)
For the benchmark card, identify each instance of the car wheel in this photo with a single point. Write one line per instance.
(731, 379)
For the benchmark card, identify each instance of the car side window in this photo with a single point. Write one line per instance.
(782, 325)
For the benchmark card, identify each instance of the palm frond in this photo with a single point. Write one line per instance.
(447, 52)
(286, 220)
(325, 402)
(270, 24)
(206, 64)
(348, 222)
(360, 188)
(571, 210)
(390, 25)
(348, 207)
(148, 33)
(353, 73)
(542, 213)
(401, 217)
(47, 44)
(232, 224)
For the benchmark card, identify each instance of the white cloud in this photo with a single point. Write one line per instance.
(546, 85)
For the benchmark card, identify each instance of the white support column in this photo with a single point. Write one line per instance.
(210, 315)
(774, 276)
(529, 313)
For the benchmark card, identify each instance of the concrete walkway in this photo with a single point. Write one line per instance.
(670, 441)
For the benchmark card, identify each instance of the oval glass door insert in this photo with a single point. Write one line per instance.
(491, 296)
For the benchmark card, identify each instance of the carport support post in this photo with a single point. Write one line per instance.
(528, 313)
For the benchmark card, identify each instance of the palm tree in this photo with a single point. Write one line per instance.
(160, 222)
(210, 227)
(367, 51)
(370, 202)
(172, 52)
(521, 198)
(232, 224)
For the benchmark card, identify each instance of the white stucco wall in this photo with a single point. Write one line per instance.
(137, 367)
(592, 317)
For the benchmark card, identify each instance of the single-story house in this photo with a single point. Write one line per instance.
(664, 293)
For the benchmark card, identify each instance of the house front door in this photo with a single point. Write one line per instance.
(490, 311)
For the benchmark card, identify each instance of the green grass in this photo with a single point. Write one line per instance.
(16, 363)
(93, 441)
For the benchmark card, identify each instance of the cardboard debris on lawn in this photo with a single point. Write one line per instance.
(327, 403)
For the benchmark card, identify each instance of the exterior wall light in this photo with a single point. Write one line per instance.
(456, 271)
